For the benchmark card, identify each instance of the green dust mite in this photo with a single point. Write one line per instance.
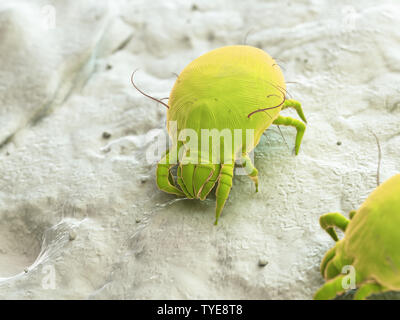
(371, 244)
(229, 88)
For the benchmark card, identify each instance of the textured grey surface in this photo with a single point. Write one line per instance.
(62, 86)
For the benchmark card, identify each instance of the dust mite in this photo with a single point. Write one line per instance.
(370, 245)
(225, 90)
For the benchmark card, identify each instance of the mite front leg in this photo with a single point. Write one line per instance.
(179, 180)
(165, 181)
(327, 259)
(202, 174)
(251, 171)
(210, 183)
(367, 289)
(330, 289)
(185, 179)
(300, 127)
(223, 189)
(331, 270)
(330, 220)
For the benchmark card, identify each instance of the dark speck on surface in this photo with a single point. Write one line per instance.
(211, 36)
(262, 262)
(106, 135)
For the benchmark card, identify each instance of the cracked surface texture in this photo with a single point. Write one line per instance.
(80, 214)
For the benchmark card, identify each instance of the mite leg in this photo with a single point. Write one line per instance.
(290, 103)
(330, 220)
(182, 174)
(207, 187)
(165, 181)
(252, 172)
(223, 189)
(367, 289)
(300, 127)
(331, 271)
(330, 289)
(327, 258)
(202, 174)
(352, 213)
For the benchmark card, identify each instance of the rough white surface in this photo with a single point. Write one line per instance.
(81, 216)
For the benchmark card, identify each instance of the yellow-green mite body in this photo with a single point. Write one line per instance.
(230, 88)
(371, 245)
